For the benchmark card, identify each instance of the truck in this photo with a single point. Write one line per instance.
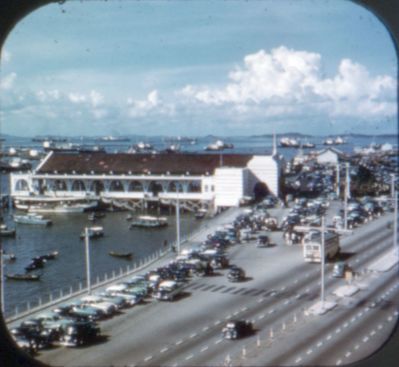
(312, 247)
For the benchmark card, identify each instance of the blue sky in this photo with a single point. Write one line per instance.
(197, 68)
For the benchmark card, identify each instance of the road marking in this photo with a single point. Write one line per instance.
(389, 318)
(309, 351)
(244, 309)
(146, 359)
(163, 350)
(356, 346)
(236, 313)
(204, 349)
(286, 302)
(217, 322)
(227, 317)
(328, 337)
(353, 319)
(346, 324)
(283, 288)
(205, 328)
(260, 317)
(372, 332)
(338, 330)
(379, 326)
(338, 362)
(218, 341)
(179, 342)
(271, 311)
(296, 281)
(260, 300)
(298, 296)
(193, 335)
(298, 360)
(365, 339)
(319, 344)
(189, 357)
(348, 354)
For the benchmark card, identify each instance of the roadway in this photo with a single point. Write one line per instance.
(278, 290)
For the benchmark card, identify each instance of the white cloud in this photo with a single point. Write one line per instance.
(151, 105)
(7, 82)
(288, 81)
(5, 56)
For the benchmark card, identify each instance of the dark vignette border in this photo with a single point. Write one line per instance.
(11, 11)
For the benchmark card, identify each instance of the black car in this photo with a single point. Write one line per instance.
(263, 241)
(236, 274)
(236, 329)
(80, 333)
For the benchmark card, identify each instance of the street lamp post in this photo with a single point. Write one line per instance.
(346, 195)
(177, 220)
(2, 281)
(88, 279)
(338, 180)
(323, 258)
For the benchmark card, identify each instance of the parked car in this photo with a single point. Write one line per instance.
(263, 241)
(339, 269)
(236, 329)
(80, 333)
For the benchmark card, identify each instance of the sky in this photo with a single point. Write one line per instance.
(200, 67)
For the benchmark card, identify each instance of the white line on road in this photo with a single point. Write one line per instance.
(372, 332)
(228, 317)
(204, 348)
(348, 354)
(271, 311)
(298, 360)
(179, 342)
(205, 328)
(163, 350)
(217, 322)
(328, 337)
(338, 362)
(236, 313)
(244, 309)
(346, 324)
(189, 357)
(365, 339)
(380, 326)
(260, 300)
(193, 335)
(286, 302)
(356, 346)
(389, 318)
(260, 317)
(319, 344)
(338, 330)
(309, 351)
(146, 359)
(353, 319)
(218, 341)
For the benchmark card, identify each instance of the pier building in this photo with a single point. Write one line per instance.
(132, 181)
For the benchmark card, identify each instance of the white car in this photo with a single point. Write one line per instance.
(107, 307)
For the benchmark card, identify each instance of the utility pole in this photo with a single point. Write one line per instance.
(177, 219)
(395, 225)
(323, 259)
(338, 180)
(2, 280)
(346, 194)
(88, 279)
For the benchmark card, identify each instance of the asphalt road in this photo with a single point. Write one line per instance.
(278, 290)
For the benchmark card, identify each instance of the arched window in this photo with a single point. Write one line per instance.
(116, 186)
(194, 186)
(97, 187)
(78, 185)
(60, 185)
(155, 187)
(135, 186)
(174, 186)
(21, 185)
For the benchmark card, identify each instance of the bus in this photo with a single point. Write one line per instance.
(312, 247)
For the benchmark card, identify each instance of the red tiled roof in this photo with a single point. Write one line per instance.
(123, 163)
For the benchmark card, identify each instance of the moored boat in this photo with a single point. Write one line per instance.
(147, 221)
(125, 255)
(31, 218)
(6, 232)
(93, 232)
(23, 276)
(9, 257)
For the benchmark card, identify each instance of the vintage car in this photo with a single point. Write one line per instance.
(236, 274)
(80, 333)
(236, 329)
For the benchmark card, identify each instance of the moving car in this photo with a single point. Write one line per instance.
(236, 329)
(236, 274)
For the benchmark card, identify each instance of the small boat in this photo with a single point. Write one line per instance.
(9, 257)
(125, 255)
(50, 255)
(308, 145)
(6, 232)
(147, 221)
(94, 216)
(93, 232)
(287, 142)
(36, 263)
(23, 276)
(31, 218)
(218, 145)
